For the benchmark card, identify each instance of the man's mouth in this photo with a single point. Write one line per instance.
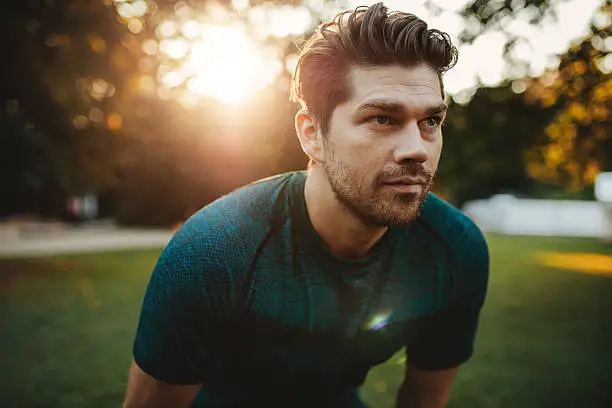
(407, 185)
(406, 188)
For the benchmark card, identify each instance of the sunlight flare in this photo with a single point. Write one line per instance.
(595, 264)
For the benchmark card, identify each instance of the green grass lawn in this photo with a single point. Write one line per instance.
(545, 337)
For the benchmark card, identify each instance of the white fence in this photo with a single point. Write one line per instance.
(507, 214)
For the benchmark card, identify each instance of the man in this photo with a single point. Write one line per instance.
(286, 292)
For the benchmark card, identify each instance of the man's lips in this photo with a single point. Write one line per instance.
(406, 185)
(406, 180)
(407, 188)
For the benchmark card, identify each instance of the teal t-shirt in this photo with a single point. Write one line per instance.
(246, 300)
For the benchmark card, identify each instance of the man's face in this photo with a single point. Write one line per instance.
(384, 143)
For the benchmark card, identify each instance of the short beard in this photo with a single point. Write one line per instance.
(359, 195)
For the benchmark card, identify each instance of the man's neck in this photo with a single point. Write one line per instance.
(345, 234)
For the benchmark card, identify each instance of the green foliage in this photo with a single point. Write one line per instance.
(28, 160)
(484, 145)
(579, 142)
(556, 192)
(59, 50)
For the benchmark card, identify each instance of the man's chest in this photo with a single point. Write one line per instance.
(290, 347)
(304, 317)
(325, 328)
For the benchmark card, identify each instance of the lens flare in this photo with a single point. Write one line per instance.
(378, 321)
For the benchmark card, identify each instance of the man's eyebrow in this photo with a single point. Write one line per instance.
(385, 106)
(394, 107)
(435, 110)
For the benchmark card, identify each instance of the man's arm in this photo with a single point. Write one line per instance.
(445, 339)
(144, 391)
(425, 389)
(178, 329)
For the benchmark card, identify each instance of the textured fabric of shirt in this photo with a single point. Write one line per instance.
(247, 300)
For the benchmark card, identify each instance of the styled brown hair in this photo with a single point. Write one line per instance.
(368, 37)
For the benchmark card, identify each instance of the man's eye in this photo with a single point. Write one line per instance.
(432, 122)
(383, 120)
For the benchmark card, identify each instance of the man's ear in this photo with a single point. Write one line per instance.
(310, 135)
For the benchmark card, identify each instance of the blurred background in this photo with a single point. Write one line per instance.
(119, 119)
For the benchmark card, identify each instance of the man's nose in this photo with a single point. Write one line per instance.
(411, 145)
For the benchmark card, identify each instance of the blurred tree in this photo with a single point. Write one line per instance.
(484, 144)
(85, 77)
(27, 163)
(62, 78)
(580, 135)
(579, 138)
(81, 75)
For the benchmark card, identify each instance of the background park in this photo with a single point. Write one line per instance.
(119, 119)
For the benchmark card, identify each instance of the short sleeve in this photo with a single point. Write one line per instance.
(172, 342)
(445, 339)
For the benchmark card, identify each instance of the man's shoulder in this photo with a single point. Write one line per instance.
(248, 206)
(448, 221)
(237, 222)
(454, 228)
